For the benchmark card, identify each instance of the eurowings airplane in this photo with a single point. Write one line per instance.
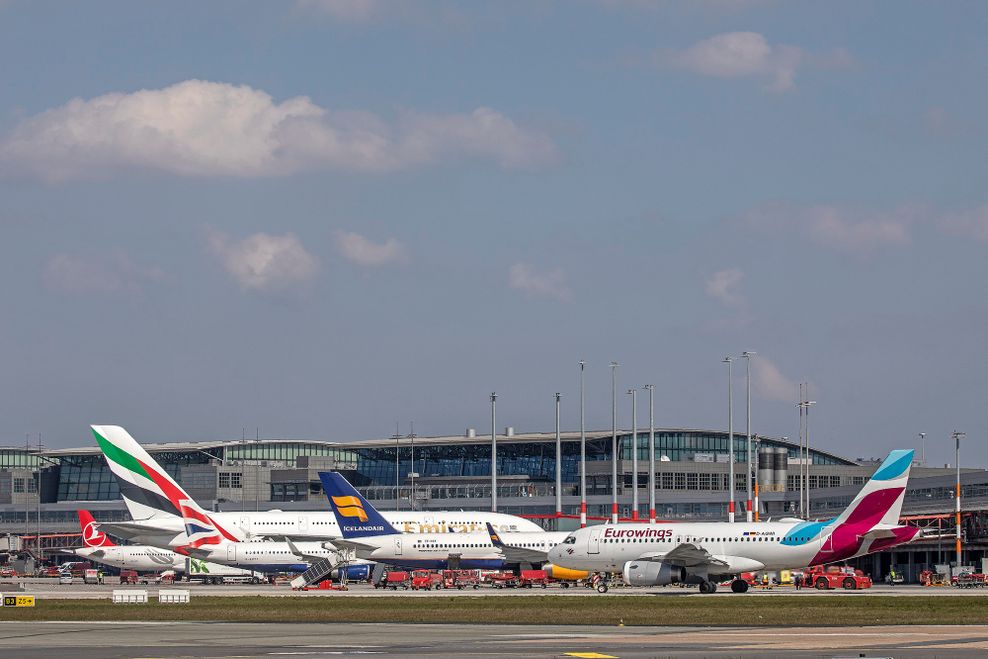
(153, 499)
(143, 558)
(704, 553)
(203, 540)
(373, 538)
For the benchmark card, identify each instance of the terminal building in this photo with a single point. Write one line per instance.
(41, 491)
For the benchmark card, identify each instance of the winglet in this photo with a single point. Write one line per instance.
(495, 538)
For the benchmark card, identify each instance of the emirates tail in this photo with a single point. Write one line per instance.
(91, 535)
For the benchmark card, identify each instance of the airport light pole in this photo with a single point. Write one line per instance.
(804, 445)
(922, 439)
(412, 474)
(730, 437)
(583, 453)
(634, 453)
(747, 369)
(614, 456)
(559, 464)
(651, 452)
(397, 438)
(493, 452)
(958, 436)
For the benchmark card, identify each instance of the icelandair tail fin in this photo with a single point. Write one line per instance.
(147, 489)
(91, 535)
(356, 517)
(880, 500)
(199, 528)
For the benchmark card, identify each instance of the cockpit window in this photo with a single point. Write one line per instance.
(570, 540)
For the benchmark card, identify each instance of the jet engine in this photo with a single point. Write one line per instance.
(652, 573)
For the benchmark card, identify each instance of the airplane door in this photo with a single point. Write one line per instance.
(231, 552)
(245, 526)
(303, 524)
(594, 543)
(397, 546)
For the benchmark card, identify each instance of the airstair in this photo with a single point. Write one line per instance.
(321, 569)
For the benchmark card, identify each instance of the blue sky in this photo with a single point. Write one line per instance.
(324, 217)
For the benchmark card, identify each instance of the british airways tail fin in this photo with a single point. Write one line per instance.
(356, 517)
(200, 531)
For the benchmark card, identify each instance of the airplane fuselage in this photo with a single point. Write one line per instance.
(142, 558)
(438, 550)
(743, 547)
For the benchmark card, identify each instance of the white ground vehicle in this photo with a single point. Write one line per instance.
(214, 573)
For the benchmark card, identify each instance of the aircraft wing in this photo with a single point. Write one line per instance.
(308, 558)
(128, 530)
(685, 555)
(516, 554)
(353, 544)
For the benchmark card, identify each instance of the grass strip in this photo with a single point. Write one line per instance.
(811, 610)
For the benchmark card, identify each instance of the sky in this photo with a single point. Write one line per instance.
(325, 218)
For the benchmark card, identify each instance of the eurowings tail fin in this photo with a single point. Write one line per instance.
(879, 503)
(356, 517)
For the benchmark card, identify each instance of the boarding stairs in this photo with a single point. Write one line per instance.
(321, 569)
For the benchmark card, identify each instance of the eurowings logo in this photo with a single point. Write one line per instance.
(350, 507)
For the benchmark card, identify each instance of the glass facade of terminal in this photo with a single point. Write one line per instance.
(87, 477)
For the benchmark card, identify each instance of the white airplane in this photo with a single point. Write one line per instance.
(143, 558)
(202, 540)
(373, 538)
(703, 553)
(153, 499)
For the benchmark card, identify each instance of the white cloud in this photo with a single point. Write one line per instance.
(114, 273)
(200, 128)
(351, 11)
(847, 230)
(739, 55)
(724, 286)
(262, 262)
(769, 382)
(548, 284)
(972, 223)
(362, 251)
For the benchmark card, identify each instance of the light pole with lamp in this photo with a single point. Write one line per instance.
(958, 436)
(747, 369)
(559, 464)
(583, 454)
(634, 453)
(651, 452)
(730, 437)
(922, 439)
(614, 446)
(493, 452)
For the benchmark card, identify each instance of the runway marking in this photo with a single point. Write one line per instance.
(590, 655)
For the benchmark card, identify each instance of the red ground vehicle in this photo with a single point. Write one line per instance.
(503, 580)
(7, 573)
(461, 579)
(532, 578)
(835, 576)
(426, 580)
(396, 580)
(51, 571)
(128, 576)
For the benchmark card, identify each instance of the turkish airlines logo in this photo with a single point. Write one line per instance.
(92, 536)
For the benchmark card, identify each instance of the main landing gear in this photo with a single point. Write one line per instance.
(739, 586)
(707, 587)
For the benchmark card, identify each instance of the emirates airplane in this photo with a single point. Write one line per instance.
(154, 501)
(704, 553)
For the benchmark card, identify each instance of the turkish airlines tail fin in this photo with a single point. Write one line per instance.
(91, 535)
